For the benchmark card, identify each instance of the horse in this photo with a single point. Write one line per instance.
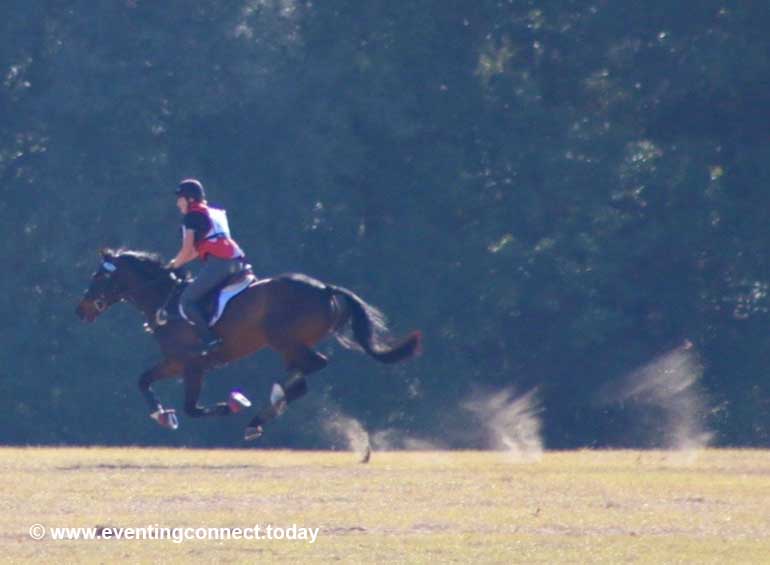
(289, 313)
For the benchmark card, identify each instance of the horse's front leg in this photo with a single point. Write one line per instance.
(163, 370)
(193, 384)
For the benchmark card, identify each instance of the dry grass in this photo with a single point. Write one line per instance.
(440, 507)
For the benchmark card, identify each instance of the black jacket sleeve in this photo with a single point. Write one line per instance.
(197, 222)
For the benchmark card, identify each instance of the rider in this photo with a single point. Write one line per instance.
(205, 235)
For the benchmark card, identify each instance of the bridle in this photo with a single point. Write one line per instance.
(100, 302)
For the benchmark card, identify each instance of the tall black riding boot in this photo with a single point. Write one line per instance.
(209, 340)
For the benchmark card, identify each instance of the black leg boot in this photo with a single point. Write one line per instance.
(209, 341)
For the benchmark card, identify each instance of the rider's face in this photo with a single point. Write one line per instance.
(182, 204)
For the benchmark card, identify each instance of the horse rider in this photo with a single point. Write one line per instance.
(205, 236)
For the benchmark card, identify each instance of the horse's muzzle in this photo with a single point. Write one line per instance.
(87, 310)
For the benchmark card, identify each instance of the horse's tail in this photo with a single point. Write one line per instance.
(368, 328)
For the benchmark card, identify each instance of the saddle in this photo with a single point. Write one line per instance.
(213, 303)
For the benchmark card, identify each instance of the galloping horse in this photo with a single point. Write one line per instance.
(289, 313)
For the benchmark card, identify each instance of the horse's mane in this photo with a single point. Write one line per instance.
(149, 264)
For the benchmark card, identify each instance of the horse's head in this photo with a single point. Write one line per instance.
(120, 275)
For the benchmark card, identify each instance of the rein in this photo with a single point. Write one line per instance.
(176, 281)
(161, 315)
(151, 324)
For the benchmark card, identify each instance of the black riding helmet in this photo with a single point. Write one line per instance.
(191, 188)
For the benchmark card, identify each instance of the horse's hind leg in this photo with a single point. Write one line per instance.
(300, 361)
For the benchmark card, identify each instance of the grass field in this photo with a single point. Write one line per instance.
(416, 507)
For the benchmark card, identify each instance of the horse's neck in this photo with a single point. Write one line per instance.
(152, 297)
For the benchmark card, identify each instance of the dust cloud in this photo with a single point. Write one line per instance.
(341, 428)
(668, 397)
(492, 420)
(507, 422)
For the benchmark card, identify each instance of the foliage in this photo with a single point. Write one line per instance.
(555, 192)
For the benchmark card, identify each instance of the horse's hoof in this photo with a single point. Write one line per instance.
(238, 401)
(166, 418)
(253, 433)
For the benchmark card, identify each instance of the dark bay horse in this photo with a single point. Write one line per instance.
(290, 314)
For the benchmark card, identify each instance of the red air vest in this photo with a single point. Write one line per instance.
(217, 241)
